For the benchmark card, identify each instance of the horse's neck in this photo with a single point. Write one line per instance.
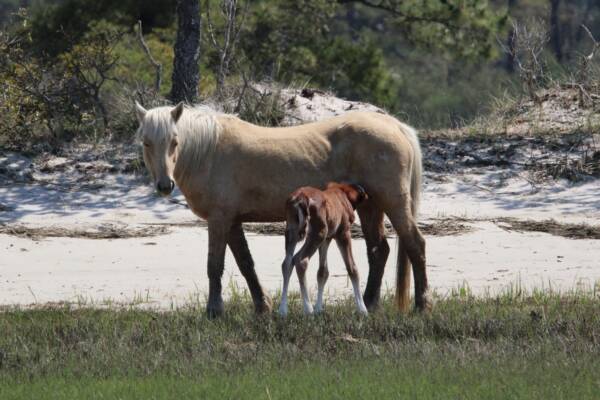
(190, 165)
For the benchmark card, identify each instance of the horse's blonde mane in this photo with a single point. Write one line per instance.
(198, 131)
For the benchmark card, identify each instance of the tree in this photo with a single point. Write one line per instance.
(509, 61)
(555, 36)
(462, 27)
(186, 70)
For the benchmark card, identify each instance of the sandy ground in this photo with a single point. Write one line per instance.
(169, 269)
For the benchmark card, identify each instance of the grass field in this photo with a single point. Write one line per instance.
(512, 346)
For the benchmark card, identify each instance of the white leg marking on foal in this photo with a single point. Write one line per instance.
(360, 304)
(287, 272)
(319, 304)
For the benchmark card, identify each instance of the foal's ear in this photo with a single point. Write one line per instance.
(140, 112)
(177, 111)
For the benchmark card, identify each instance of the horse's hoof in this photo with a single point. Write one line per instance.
(424, 304)
(372, 303)
(213, 312)
(264, 307)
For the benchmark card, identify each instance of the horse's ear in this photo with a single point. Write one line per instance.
(177, 111)
(140, 112)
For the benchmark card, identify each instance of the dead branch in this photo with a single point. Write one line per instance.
(584, 70)
(156, 64)
(525, 48)
(230, 10)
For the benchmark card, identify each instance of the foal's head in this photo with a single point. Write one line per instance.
(356, 194)
(158, 131)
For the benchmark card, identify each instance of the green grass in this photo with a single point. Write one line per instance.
(513, 346)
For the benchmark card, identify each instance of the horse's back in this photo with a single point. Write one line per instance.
(264, 165)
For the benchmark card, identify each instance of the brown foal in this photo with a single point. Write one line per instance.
(320, 216)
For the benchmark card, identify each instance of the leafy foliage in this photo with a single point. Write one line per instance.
(55, 97)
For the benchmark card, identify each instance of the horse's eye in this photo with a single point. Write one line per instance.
(146, 144)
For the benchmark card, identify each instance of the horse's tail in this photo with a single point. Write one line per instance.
(403, 266)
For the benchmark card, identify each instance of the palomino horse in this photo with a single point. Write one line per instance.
(320, 216)
(231, 171)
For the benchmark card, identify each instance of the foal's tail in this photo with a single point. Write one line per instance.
(403, 267)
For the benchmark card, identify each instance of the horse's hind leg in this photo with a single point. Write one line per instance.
(291, 239)
(239, 247)
(301, 259)
(322, 274)
(344, 242)
(371, 222)
(413, 243)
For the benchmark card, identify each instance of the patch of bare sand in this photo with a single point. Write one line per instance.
(170, 269)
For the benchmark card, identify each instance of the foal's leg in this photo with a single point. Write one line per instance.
(371, 222)
(239, 247)
(344, 242)
(413, 243)
(322, 274)
(301, 259)
(218, 232)
(291, 239)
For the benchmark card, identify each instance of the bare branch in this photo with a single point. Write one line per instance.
(210, 26)
(231, 34)
(596, 44)
(156, 64)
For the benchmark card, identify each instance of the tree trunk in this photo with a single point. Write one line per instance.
(186, 71)
(509, 61)
(555, 41)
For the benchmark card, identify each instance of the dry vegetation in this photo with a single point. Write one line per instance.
(104, 231)
(571, 231)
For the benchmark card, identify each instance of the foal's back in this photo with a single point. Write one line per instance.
(331, 208)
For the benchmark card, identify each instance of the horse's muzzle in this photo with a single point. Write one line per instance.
(165, 187)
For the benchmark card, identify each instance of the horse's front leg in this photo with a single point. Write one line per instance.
(239, 247)
(371, 222)
(218, 232)
(344, 242)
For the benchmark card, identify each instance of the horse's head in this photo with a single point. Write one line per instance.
(158, 132)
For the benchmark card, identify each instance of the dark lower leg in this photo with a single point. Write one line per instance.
(416, 254)
(371, 220)
(239, 247)
(217, 241)
(414, 245)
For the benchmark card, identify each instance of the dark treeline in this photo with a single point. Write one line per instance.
(436, 63)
